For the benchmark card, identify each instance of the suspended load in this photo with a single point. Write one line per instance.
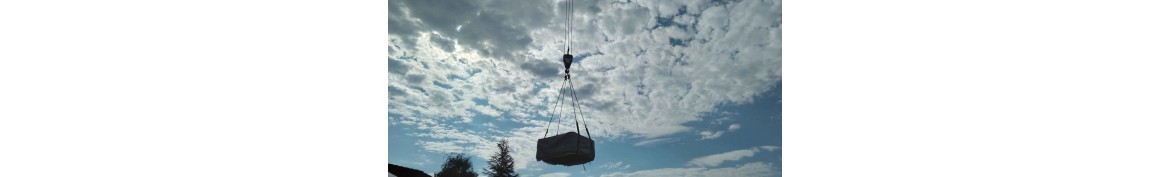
(569, 148)
(566, 149)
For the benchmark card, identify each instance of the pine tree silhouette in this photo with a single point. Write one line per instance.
(501, 164)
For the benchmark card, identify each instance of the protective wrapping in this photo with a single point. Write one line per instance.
(566, 149)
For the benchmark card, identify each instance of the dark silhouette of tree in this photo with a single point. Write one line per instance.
(501, 164)
(458, 165)
(401, 171)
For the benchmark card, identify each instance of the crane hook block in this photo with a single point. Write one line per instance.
(568, 60)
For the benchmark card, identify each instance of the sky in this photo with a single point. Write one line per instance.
(667, 88)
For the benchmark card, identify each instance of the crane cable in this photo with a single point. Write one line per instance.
(568, 25)
(578, 115)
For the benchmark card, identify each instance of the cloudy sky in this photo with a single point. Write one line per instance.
(666, 87)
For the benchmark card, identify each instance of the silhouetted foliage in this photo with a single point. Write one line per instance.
(401, 171)
(501, 164)
(458, 165)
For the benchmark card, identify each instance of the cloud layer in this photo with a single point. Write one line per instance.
(644, 70)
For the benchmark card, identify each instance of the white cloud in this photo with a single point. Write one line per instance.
(747, 170)
(557, 174)
(720, 120)
(615, 165)
(770, 148)
(710, 135)
(716, 159)
(487, 110)
(706, 135)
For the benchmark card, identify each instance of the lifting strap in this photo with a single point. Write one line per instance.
(575, 110)
(556, 108)
(578, 105)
